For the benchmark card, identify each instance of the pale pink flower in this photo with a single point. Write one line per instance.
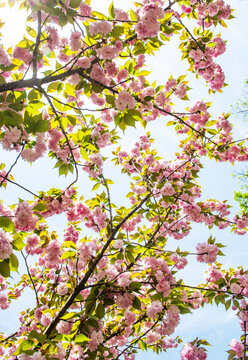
(22, 54)
(5, 245)
(237, 346)
(102, 27)
(4, 58)
(11, 137)
(64, 327)
(125, 100)
(75, 41)
(154, 308)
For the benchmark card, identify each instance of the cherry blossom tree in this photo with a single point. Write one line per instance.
(110, 286)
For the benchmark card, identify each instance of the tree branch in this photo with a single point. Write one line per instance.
(91, 269)
(37, 44)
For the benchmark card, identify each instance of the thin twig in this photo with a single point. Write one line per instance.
(37, 44)
(10, 169)
(109, 201)
(22, 187)
(30, 277)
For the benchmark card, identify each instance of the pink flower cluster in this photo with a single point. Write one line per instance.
(75, 41)
(4, 59)
(11, 137)
(5, 245)
(205, 66)
(24, 218)
(130, 225)
(213, 273)
(108, 52)
(101, 135)
(64, 327)
(33, 154)
(101, 27)
(52, 254)
(32, 246)
(148, 24)
(199, 114)
(237, 346)
(207, 252)
(153, 309)
(22, 54)
(191, 352)
(125, 101)
(172, 320)
(214, 9)
(94, 166)
(4, 302)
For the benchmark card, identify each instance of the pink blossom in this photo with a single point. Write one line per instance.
(154, 308)
(84, 9)
(53, 38)
(4, 58)
(191, 352)
(207, 252)
(125, 100)
(167, 189)
(11, 137)
(62, 289)
(102, 27)
(64, 327)
(98, 74)
(24, 219)
(5, 245)
(96, 338)
(22, 54)
(121, 15)
(75, 41)
(237, 346)
(84, 62)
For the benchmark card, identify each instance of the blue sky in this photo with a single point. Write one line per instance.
(216, 325)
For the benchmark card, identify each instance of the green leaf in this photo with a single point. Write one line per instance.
(111, 10)
(68, 255)
(34, 95)
(63, 170)
(13, 262)
(133, 15)
(81, 338)
(118, 119)
(100, 311)
(24, 347)
(75, 3)
(69, 315)
(96, 186)
(110, 99)
(35, 124)
(117, 31)
(84, 154)
(129, 120)
(38, 336)
(72, 119)
(142, 345)
(7, 224)
(183, 309)
(136, 303)
(41, 206)
(17, 243)
(4, 268)
(90, 307)
(31, 32)
(53, 87)
(129, 256)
